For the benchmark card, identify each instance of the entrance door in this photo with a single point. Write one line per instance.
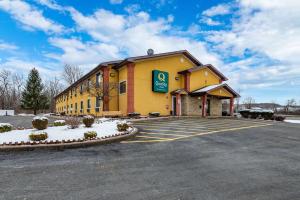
(174, 105)
(208, 107)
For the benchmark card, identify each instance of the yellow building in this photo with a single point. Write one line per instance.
(173, 83)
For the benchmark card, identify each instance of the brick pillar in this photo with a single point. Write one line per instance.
(231, 106)
(178, 105)
(204, 99)
(130, 87)
(187, 77)
(105, 88)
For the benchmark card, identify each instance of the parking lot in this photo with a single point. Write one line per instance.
(165, 130)
(209, 159)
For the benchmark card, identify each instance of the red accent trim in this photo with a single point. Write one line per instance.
(105, 92)
(187, 78)
(178, 105)
(130, 86)
(231, 106)
(204, 99)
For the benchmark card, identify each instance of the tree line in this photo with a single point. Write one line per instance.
(20, 93)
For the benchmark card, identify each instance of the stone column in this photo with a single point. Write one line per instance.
(231, 106)
(105, 71)
(204, 99)
(130, 85)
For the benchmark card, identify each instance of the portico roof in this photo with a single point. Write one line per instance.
(210, 88)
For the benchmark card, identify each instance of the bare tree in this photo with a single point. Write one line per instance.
(72, 73)
(249, 101)
(5, 82)
(237, 100)
(289, 104)
(52, 88)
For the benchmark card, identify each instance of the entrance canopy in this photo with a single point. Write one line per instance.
(220, 90)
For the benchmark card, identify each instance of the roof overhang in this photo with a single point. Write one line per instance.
(207, 89)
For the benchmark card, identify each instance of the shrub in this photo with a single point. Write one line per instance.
(267, 115)
(90, 135)
(73, 122)
(279, 118)
(38, 136)
(5, 127)
(40, 123)
(254, 114)
(88, 120)
(122, 127)
(59, 123)
(154, 114)
(134, 114)
(245, 113)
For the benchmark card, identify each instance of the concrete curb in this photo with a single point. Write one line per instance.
(69, 145)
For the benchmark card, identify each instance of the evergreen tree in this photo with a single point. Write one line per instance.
(33, 97)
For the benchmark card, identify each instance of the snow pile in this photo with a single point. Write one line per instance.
(60, 133)
(40, 118)
(5, 125)
(292, 121)
(60, 121)
(88, 117)
(26, 115)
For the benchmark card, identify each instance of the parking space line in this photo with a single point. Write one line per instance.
(167, 134)
(141, 136)
(161, 130)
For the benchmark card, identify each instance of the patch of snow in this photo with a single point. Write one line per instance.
(26, 115)
(61, 132)
(5, 124)
(292, 121)
(88, 117)
(40, 118)
(60, 121)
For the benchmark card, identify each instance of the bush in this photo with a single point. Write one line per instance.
(134, 115)
(38, 136)
(154, 114)
(5, 127)
(90, 135)
(279, 118)
(73, 122)
(40, 123)
(122, 127)
(59, 123)
(88, 120)
(267, 115)
(245, 113)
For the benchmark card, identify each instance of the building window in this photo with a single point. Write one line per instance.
(81, 106)
(75, 107)
(98, 102)
(88, 105)
(98, 79)
(122, 87)
(88, 84)
(81, 88)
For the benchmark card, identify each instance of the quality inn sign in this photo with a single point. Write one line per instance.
(160, 81)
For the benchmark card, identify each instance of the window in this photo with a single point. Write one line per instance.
(76, 107)
(98, 79)
(88, 105)
(81, 106)
(123, 87)
(81, 88)
(98, 101)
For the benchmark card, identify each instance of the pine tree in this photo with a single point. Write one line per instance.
(33, 97)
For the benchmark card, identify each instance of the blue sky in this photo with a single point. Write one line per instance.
(255, 43)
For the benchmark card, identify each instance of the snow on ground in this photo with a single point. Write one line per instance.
(105, 128)
(26, 115)
(292, 121)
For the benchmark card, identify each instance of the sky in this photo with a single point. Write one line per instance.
(255, 43)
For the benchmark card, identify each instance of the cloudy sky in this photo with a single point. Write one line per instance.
(255, 43)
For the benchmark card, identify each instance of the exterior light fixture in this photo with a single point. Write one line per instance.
(176, 78)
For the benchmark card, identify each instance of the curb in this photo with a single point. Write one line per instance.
(61, 146)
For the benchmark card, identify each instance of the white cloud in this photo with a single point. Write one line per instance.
(135, 33)
(269, 29)
(133, 8)
(115, 1)
(30, 17)
(50, 4)
(210, 21)
(7, 47)
(221, 9)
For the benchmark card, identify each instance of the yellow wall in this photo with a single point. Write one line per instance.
(221, 92)
(199, 79)
(123, 97)
(145, 100)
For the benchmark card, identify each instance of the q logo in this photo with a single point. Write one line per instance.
(161, 77)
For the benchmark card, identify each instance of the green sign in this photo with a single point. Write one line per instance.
(160, 81)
